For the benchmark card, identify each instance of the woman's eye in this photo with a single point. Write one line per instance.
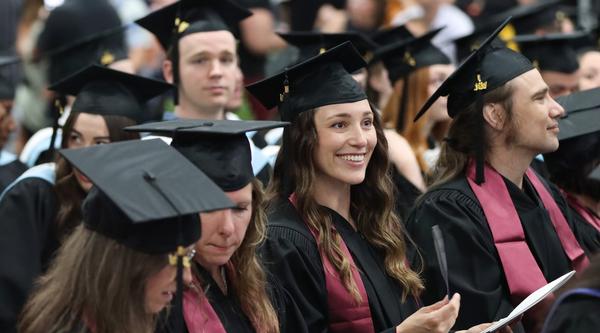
(338, 125)
(101, 142)
(368, 122)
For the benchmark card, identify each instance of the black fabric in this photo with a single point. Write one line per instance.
(552, 52)
(312, 43)
(475, 270)
(9, 172)
(391, 35)
(291, 254)
(27, 243)
(587, 235)
(318, 81)
(582, 113)
(406, 194)
(576, 314)
(73, 22)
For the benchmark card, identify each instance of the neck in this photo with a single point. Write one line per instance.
(510, 162)
(589, 203)
(186, 110)
(218, 277)
(334, 196)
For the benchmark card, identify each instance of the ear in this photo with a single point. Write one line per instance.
(494, 115)
(167, 69)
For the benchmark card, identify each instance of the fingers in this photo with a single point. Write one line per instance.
(448, 311)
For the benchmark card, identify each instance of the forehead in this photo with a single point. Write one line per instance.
(209, 41)
(529, 81)
(358, 107)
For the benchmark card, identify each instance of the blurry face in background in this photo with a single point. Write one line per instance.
(561, 83)
(7, 123)
(238, 93)
(589, 68)
(88, 130)
(437, 75)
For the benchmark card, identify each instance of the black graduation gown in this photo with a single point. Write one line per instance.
(27, 243)
(9, 172)
(576, 314)
(406, 194)
(587, 234)
(474, 267)
(291, 254)
(230, 312)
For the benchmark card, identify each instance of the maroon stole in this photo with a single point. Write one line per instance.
(344, 314)
(522, 273)
(588, 216)
(199, 315)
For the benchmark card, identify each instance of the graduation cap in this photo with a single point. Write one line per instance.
(7, 85)
(391, 35)
(146, 197)
(312, 43)
(220, 148)
(582, 114)
(487, 68)
(78, 34)
(403, 58)
(142, 189)
(185, 17)
(105, 91)
(318, 81)
(552, 52)
(528, 18)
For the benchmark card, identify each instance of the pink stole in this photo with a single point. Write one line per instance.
(522, 273)
(344, 314)
(199, 315)
(589, 217)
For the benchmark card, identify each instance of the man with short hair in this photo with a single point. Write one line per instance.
(506, 230)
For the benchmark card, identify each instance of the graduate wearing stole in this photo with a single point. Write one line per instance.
(507, 231)
(333, 239)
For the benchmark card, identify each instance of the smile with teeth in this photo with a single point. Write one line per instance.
(353, 158)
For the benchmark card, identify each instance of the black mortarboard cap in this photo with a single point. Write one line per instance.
(595, 175)
(552, 52)
(582, 114)
(7, 84)
(527, 18)
(402, 58)
(190, 16)
(143, 190)
(220, 148)
(318, 81)
(312, 43)
(78, 34)
(487, 68)
(391, 35)
(105, 91)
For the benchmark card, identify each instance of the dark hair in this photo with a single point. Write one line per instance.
(571, 164)
(68, 192)
(295, 172)
(463, 137)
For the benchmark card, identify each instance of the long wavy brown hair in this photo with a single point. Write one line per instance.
(295, 172)
(93, 278)
(417, 95)
(246, 273)
(463, 137)
(69, 194)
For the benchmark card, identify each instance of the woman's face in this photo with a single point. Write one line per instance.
(346, 139)
(223, 231)
(88, 130)
(589, 66)
(161, 287)
(437, 75)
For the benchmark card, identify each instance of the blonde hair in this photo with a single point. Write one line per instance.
(295, 171)
(93, 277)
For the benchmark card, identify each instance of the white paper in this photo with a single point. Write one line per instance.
(531, 300)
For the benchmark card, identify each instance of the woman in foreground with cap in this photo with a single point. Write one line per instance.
(43, 206)
(333, 238)
(229, 290)
(119, 269)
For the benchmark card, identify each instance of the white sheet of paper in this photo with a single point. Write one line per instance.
(531, 300)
